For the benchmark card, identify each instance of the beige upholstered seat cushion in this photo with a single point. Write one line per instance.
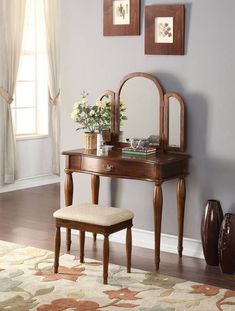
(94, 214)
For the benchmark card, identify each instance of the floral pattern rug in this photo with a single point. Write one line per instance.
(27, 282)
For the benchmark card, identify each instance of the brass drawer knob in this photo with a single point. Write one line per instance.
(108, 167)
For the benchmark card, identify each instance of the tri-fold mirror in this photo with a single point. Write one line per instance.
(150, 114)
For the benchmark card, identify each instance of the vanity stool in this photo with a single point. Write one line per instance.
(96, 219)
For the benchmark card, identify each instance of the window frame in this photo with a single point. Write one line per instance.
(35, 52)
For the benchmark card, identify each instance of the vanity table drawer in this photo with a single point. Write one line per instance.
(123, 168)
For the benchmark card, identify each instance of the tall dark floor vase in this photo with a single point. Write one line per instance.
(210, 228)
(227, 244)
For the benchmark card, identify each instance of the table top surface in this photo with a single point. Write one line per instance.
(159, 158)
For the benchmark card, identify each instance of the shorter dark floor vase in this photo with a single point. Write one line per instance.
(227, 244)
(210, 228)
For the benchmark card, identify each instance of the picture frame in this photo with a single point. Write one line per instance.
(121, 17)
(164, 29)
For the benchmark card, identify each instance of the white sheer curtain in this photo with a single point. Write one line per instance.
(51, 10)
(12, 13)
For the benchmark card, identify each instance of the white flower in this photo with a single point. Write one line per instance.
(100, 104)
(74, 115)
(84, 101)
(76, 105)
(106, 99)
(93, 118)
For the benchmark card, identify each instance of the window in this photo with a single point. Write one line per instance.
(30, 106)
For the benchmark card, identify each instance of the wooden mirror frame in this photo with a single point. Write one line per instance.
(117, 107)
(163, 114)
(167, 147)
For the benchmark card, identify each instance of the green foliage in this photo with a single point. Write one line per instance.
(97, 117)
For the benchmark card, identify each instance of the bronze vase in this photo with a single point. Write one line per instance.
(210, 228)
(227, 244)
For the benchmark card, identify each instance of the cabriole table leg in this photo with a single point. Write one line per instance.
(181, 194)
(95, 186)
(68, 191)
(157, 209)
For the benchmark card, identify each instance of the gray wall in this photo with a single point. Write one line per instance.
(33, 157)
(205, 79)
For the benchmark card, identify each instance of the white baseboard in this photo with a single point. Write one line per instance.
(144, 238)
(31, 182)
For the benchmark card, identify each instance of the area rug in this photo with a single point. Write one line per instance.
(27, 282)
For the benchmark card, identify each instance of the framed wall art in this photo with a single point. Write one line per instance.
(121, 17)
(164, 29)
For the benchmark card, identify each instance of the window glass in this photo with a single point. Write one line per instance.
(30, 106)
(26, 121)
(27, 67)
(25, 94)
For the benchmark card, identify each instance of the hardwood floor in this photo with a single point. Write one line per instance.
(26, 218)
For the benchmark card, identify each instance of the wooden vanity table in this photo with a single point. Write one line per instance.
(154, 168)
(166, 120)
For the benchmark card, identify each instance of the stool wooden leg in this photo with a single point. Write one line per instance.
(128, 249)
(82, 243)
(105, 259)
(57, 249)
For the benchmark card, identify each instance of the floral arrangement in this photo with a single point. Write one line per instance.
(122, 116)
(96, 118)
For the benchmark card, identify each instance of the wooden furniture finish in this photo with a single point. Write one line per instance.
(36, 229)
(68, 187)
(133, 28)
(161, 108)
(95, 186)
(105, 230)
(156, 168)
(167, 146)
(181, 195)
(175, 11)
(163, 114)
